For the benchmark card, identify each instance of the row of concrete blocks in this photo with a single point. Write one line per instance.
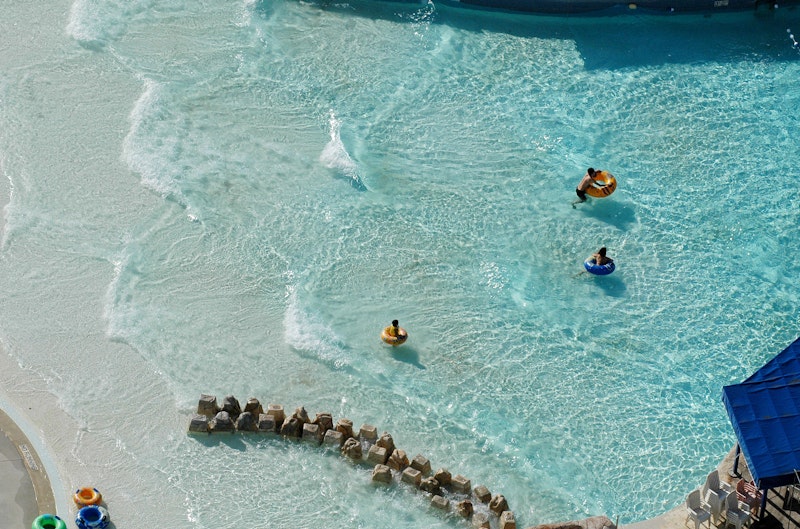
(388, 461)
(460, 485)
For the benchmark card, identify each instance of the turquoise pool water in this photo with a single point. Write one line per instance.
(235, 197)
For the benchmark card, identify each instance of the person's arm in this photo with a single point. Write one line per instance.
(597, 183)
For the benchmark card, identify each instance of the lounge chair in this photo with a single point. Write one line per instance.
(697, 510)
(747, 493)
(715, 493)
(738, 513)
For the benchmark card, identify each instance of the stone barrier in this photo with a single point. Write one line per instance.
(390, 464)
(595, 522)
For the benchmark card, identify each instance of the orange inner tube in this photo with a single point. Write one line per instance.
(604, 177)
(394, 340)
(87, 496)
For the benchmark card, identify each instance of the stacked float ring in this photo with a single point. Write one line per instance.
(48, 521)
(592, 267)
(87, 496)
(92, 517)
(401, 337)
(608, 185)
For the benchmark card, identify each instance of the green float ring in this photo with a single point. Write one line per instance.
(48, 521)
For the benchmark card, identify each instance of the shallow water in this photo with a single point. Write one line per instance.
(236, 198)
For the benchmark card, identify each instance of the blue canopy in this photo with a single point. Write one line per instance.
(765, 414)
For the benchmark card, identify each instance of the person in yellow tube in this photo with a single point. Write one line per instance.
(394, 334)
(588, 180)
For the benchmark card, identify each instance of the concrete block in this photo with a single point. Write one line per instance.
(461, 484)
(398, 460)
(352, 449)
(276, 410)
(482, 494)
(480, 521)
(412, 476)
(254, 406)
(376, 455)
(422, 464)
(311, 433)
(507, 520)
(266, 424)
(207, 405)
(498, 504)
(368, 433)
(346, 427)
(465, 508)
(382, 474)
(333, 439)
(440, 503)
(199, 424)
(221, 423)
(443, 476)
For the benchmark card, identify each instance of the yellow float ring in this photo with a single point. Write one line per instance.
(87, 496)
(394, 340)
(609, 185)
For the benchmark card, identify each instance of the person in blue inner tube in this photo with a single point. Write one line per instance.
(600, 258)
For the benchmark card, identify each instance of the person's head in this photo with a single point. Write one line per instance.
(602, 251)
(590, 171)
(395, 323)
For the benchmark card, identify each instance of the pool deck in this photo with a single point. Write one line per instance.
(25, 490)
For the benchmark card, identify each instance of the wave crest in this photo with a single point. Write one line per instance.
(335, 156)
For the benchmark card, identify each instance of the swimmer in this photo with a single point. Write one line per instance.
(586, 182)
(394, 334)
(600, 257)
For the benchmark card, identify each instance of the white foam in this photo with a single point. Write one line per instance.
(95, 23)
(335, 155)
(7, 207)
(79, 25)
(246, 12)
(87, 25)
(110, 307)
(140, 152)
(309, 334)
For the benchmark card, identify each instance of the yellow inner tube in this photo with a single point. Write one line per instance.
(401, 337)
(609, 185)
(87, 496)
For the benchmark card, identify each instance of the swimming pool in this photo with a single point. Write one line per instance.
(268, 185)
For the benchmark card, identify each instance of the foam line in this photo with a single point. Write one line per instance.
(335, 156)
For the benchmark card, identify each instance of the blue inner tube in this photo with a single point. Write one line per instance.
(92, 517)
(592, 267)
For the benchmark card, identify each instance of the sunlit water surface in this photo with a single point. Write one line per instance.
(317, 170)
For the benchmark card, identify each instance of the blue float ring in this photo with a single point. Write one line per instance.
(592, 267)
(92, 517)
